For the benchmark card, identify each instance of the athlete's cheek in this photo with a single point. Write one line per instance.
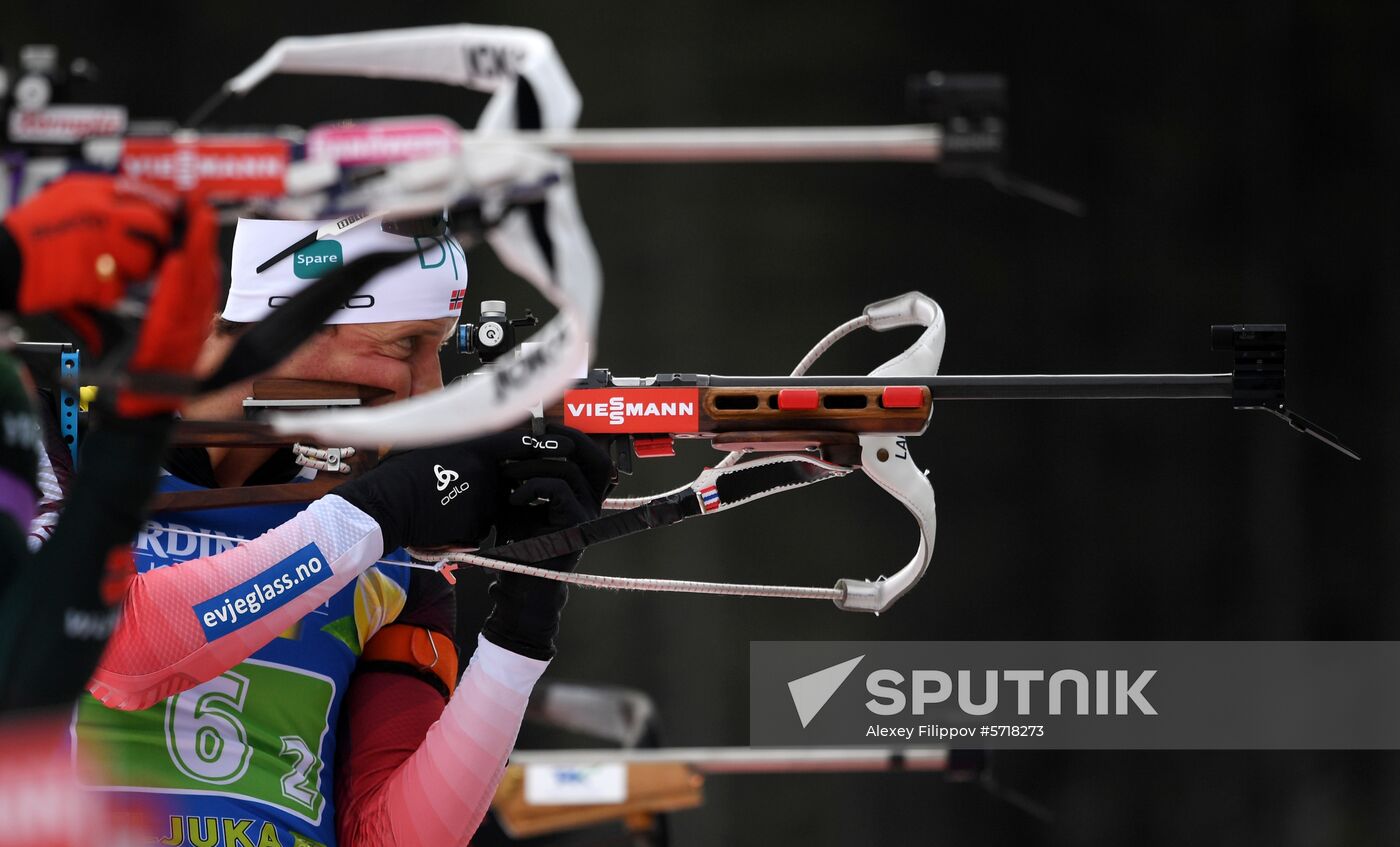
(383, 372)
(365, 368)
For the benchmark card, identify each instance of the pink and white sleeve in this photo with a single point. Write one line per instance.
(441, 792)
(187, 623)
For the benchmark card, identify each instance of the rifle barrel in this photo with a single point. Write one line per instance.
(914, 142)
(748, 760)
(1027, 386)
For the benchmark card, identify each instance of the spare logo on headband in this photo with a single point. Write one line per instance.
(429, 285)
(318, 259)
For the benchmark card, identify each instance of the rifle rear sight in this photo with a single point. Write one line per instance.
(493, 334)
(1259, 372)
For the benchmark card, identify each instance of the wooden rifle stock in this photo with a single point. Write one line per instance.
(248, 433)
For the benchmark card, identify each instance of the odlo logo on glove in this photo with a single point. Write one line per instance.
(445, 478)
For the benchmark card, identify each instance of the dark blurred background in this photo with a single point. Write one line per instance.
(1238, 162)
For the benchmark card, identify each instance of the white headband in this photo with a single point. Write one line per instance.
(433, 285)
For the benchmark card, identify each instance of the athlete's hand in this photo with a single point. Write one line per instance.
(544, 495)
(76, 247)
(563, 485)
(81, 241)
(447, 496)
(178, 315)
(432, 497)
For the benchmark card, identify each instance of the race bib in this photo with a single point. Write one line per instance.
(256, 732)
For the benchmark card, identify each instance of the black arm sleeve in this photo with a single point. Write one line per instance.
(9, 271)
(54, 619)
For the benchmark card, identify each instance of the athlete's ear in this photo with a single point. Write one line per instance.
(449, 328)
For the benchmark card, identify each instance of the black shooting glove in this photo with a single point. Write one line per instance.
(444, 496)
(539, 496)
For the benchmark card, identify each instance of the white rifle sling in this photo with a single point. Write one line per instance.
(491, 401)
(557, 257)
(483, 58)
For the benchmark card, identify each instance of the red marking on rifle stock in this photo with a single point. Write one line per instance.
(653, 446)
(797, 399)
(902, 397)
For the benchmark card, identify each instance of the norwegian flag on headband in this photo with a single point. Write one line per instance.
(455, 304)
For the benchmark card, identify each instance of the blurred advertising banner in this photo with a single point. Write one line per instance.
(42, 801)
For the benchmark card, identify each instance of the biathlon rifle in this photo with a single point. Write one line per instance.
(786, 432)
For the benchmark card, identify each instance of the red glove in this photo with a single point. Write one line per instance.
(85, 237)
(178, 315)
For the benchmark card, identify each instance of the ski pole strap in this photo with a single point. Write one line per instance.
(716, 489)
